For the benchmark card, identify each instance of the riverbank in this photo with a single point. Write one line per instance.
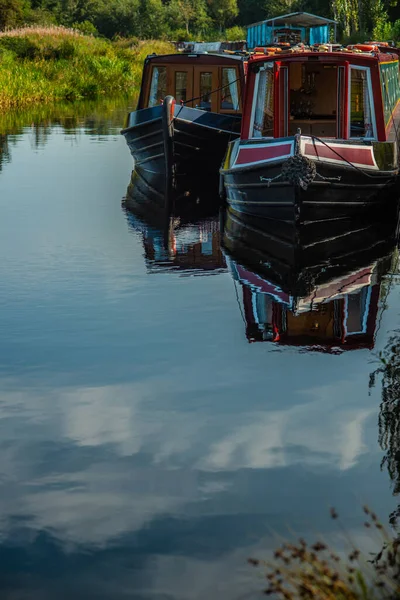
(43, 65)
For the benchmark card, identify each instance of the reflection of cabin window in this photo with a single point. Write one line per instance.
(158, 86)
(263, 123)
(229, 92)
(360, 104)
(262, 308)
(205, 90)
(180, 86)
(357, 311)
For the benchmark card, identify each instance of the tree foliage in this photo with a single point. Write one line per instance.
(199, 19)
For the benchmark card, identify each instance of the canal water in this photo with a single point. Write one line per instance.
(156, 430)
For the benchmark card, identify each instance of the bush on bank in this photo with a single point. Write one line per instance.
(48, 64)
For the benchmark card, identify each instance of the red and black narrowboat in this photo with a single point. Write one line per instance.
(189, 108)
(320, 134)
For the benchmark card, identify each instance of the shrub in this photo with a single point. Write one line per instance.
(85, 27)
(233, 34)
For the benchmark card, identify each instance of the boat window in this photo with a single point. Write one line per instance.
(390, 87)
(360, 104)
(158, 86)
(263, 103)
(180, 86)
(205, 91)
(229, 92)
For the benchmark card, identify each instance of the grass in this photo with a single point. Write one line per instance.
(316, 572)
(49, 64)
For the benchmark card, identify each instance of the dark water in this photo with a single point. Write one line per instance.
(147, 447)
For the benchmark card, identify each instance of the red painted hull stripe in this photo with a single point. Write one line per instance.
(361, 156)
(250, 155)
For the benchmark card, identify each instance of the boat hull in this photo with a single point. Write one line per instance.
(337, 190)
(174, 145)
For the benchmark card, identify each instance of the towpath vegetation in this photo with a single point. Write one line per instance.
(48, 64)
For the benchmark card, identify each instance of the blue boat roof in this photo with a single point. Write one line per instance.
(300, 19)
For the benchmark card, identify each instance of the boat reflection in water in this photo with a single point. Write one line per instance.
(188, 240)
(310, 290)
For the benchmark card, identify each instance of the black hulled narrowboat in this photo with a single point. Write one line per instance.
(189, 108)
(319, 134)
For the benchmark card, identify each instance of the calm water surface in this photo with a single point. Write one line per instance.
(147, 448)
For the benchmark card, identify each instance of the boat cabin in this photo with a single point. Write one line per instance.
(346, 95)
(211, 82)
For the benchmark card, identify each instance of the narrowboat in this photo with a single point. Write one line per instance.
(189, 108)
(319, 134)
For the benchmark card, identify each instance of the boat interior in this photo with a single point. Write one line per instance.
(313, 98)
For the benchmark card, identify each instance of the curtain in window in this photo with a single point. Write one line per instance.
(153, 100)
(233, 88)
(367, 109)
(259, 112)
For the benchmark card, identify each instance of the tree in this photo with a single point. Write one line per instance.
(223, 11)
(114, 17)
(152, 21)
(190, 14)
(11, 12)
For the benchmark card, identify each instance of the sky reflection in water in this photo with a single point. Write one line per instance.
(147, 449)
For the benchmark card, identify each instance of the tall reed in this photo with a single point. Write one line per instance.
(42, 65)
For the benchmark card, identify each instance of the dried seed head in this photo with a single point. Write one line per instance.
(253, 561)
(318, 547)
(334, 514)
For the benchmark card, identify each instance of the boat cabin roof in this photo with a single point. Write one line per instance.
(333, 57)
(202, 58)
(299, 19)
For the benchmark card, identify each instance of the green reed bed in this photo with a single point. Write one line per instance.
(41, 65)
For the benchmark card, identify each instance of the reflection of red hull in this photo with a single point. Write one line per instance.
(331, 337)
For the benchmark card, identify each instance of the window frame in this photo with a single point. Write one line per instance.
(150, 80)
(230, 111)
(367, 70)
(261, 69)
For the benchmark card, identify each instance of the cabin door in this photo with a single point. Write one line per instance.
(180, 83)
(205, 82)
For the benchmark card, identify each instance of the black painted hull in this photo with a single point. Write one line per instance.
(198, 145)
(336, 192)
